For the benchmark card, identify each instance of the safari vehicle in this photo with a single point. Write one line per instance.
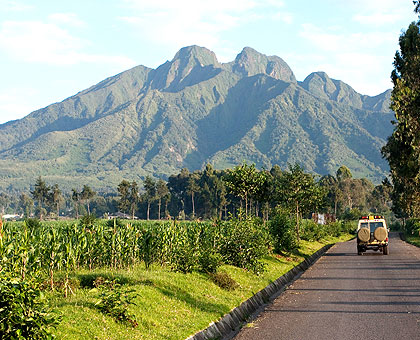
(372, 233)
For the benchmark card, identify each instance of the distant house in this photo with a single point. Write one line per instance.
(121, 215)
(11, 217)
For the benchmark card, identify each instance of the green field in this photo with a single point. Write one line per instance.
(174, 296)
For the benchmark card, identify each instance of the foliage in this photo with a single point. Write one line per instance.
(298, 192)
(402, 150)
(244, 181)
(243, 242)
(88, 220)
(115, 300)
(129, 197)
(282, 229)
(412, 226)
(224, 280)
(24, 313)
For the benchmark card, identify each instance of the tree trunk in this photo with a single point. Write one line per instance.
(246, 205)
(193, 205)
(148, 210)
(335, 207)
(159, 204)
(297, 221)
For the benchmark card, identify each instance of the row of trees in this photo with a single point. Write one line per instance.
(214, 193)
(403, 147)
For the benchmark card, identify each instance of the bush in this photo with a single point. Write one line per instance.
(88, 220)
(282, 229)
(224, 281)
(209, 261)
(114, 301)
(24, 313)
(32, 223)
(243, 243)
(412, 226)
(311, 231)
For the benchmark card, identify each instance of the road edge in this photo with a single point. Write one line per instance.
(231, 323)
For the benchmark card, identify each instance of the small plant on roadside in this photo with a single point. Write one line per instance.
(224, 281)
(115, 300)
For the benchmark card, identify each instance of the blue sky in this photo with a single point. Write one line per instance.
(50, 50)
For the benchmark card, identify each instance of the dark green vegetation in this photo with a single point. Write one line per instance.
(191, 111)
(211, 194)
(154, 280)
(402, 149)
(24, 313)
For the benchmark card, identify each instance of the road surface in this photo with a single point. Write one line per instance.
(346, 296)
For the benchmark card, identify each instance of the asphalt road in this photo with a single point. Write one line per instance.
(346, 296)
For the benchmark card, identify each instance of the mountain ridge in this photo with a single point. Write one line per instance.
(193, 110)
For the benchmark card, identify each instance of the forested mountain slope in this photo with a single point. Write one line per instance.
(193, 110)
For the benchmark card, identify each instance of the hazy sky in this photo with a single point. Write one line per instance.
(50, 50)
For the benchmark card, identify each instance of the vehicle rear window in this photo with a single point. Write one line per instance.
(374, 225)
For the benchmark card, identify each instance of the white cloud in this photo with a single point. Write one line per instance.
(381, 12)
(14, 6)
(285, 17)
(362, 60)
(40, 42)
(334, 39)
(185, 22)
(13, 105)
(66, 18)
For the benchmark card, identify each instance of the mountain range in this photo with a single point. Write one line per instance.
(194, 110)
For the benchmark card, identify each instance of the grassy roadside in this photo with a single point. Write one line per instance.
(169, 305)
(414, 240)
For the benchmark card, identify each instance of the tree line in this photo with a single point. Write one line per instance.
(211, 193)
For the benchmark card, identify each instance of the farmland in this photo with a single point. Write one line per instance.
(172, 278)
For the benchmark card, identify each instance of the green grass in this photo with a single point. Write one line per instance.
(415, 240)
(169, 305)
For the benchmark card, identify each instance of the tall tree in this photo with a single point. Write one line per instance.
(86, 195)
(403, 147)
(192, 189)
(40, 194)
(75, 196)
(150, 193)
(300, 193)
(129, 197)
(244, 182)
(134, 198)
(124, 194)
(56, 198)
(162, 192)
(26, 204)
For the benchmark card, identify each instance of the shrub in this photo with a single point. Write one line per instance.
(412, 226)
(24, 313)
(312, 231)
(88, 220)
(209, 261)
(282, 229)
(32, 223)
(224, 281)
(243, 243)
(114, 301)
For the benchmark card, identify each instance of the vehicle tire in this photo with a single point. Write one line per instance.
(380, 234)
(359, 250)
(385, 250)
(363, 234)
